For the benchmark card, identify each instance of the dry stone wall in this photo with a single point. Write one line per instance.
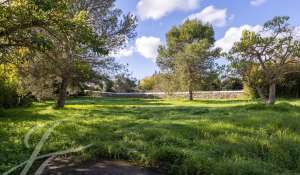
(197, 95)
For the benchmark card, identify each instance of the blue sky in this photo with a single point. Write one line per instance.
(229, 18)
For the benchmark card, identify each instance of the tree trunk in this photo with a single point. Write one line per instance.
(272, 94)
(191, 97)
(62, 93)
(261, 94)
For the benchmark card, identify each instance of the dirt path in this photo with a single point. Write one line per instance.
(66, 167)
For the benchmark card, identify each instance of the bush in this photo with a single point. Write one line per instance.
(8, 96)
(11, 94)
(249, 92)
(148, 83)
(287, 87)
(124, 83)
(232, 83)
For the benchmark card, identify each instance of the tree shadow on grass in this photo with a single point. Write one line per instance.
(191, 138)
(240, 113)
(106, 101)
(223, 101)
(25, 114)
(14, 125)
(177, 135)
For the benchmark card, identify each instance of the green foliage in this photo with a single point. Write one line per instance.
(289, 86)
(20, 19)
(249, 92)
(232, 83)
(66, 42)
(161, 82)
(11, 94)
(167, 83)
(148, 83)
(263, 58)
(188, 54)
(157, 82)
(124, 83)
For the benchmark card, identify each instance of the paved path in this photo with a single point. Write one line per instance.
(66, 167)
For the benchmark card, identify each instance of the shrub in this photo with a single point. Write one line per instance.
(12, 94)
(249, 92)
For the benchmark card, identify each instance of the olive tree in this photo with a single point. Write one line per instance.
(262, 58)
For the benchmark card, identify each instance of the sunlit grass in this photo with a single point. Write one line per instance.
(178, 136)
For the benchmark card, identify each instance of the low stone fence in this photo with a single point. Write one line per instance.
(197, 94)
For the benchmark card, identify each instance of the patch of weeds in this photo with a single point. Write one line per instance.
(200, 111)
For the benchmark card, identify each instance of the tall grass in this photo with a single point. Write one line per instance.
(179, 137)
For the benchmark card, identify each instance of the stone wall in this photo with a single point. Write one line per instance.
(197, 95)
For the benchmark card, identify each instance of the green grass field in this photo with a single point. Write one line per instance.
(179, 137)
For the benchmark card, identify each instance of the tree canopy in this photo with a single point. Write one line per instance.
(264, 57)
(188, 54)
(62, 41)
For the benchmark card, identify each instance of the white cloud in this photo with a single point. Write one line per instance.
(211, 15)
(155, 9)
(233, 35)
(123, 53)
(257, 2)
(297, 32)
(147, 46)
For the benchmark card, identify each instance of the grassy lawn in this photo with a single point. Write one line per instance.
(180, 137)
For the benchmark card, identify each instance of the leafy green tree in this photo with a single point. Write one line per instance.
(148, 83)
(35, 27)
(152, 83)
(229, 78)
(289, 85)
(88, 32)
(264, 57)
(188, 55)
(232, 83)
(12, 94)
(28, 24)
(211, 82)
(124, 83)
(159, 82)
